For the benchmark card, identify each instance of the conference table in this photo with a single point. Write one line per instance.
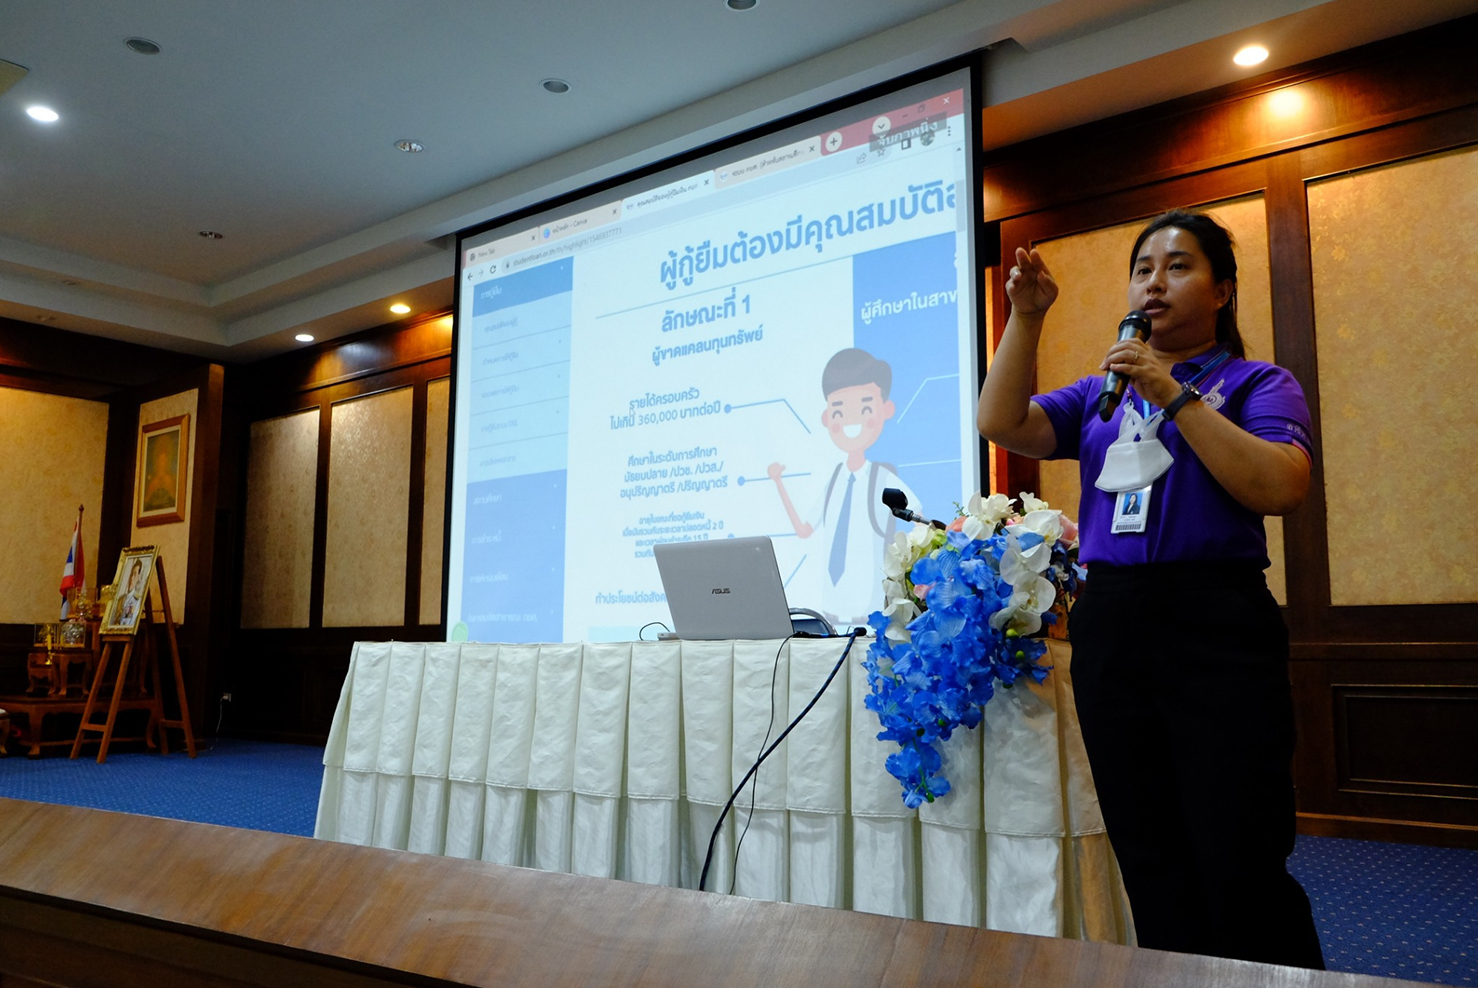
(615, 761)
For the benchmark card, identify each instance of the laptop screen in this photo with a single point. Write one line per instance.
(722, 589)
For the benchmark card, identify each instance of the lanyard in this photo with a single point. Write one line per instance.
(1195, 379)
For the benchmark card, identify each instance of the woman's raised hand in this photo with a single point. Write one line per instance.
(1006, 414)
(1030, 286)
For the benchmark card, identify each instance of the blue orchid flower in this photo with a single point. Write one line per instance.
(943, 675)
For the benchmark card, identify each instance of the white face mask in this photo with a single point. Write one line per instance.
(1137, 458)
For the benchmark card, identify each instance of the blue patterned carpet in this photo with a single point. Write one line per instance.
(1396, 910)
(237, 784)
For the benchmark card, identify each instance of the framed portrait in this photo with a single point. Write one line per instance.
(164, 465)
(130, 601)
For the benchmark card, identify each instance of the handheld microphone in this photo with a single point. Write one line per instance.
(1135, 324)
(897, 502)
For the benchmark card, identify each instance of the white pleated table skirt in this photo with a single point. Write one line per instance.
(615, 760)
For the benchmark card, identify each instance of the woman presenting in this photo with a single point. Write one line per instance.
(1180, 655)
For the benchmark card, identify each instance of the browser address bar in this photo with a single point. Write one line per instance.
(566, 246)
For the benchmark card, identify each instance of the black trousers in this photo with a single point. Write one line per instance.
(1181, 678)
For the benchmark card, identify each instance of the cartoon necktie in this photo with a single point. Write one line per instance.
(839, 544)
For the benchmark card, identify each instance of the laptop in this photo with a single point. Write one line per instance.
(723, 589)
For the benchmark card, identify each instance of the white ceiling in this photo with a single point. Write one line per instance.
(273, 122)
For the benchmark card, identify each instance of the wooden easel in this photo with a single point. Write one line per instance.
(156, 708)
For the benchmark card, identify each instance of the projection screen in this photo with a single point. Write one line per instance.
(752, 341)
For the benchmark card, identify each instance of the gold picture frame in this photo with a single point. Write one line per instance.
(163, 471)
(130, 603)
(47, 634)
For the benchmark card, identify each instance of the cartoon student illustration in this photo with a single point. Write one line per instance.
(852, 526)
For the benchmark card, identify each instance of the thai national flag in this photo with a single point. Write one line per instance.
(74, 573)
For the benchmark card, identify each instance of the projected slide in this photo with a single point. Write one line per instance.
(753, 348)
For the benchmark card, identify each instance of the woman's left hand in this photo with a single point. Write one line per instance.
(1135, 360)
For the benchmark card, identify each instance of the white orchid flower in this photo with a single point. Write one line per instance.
(897, 557)
(1030, 503)
(892, 590)
(985, 514)
(1020, 568)
(975, 528)
(1023, 612)
(899, 614)
(1038, 596)
(994, 509)
(921, 536)
(901, 610)
(1045, 522)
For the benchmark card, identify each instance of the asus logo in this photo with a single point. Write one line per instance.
(719, 590)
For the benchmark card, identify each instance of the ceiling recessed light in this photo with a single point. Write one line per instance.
(304, 337)
(1251, 55)
(44, 114)
(212, 235)
(410, 147)
(143, 46)
(741, 4)
(400, 308)
(556, 85)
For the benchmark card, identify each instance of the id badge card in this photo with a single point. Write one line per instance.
(1131, 510)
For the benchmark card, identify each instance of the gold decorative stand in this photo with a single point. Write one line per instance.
(157, 720)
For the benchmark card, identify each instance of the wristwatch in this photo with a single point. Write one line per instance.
(1188, 392)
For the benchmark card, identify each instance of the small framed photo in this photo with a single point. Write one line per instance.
(135, 567)
(164, 465)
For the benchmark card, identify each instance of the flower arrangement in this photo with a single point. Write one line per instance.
(960, 608)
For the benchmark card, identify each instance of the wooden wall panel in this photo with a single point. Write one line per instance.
(52, 455)
(277, 561)
(286, 680)
(56, 361)
(361, 357)
(364, 581)
(1395, 266)
(1401, 739)
(1386, 740)
(433, 543)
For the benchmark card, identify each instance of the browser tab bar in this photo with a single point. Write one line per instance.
(579, 223)
(769, 162)
(683, 190)
(502, 247)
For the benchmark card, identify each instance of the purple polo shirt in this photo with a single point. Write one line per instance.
(1191, 516)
